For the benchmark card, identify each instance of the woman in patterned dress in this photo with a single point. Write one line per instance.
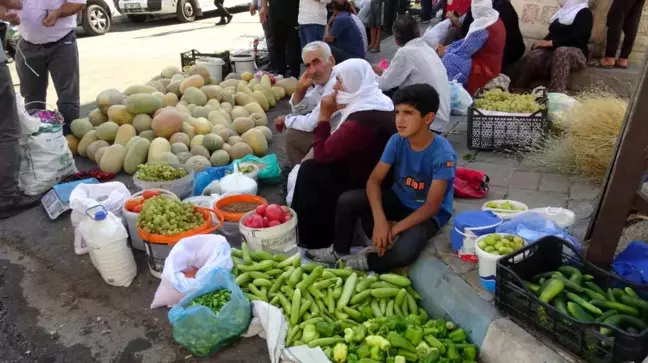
(477, 58)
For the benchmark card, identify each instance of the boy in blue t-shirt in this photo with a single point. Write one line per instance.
(419, 201)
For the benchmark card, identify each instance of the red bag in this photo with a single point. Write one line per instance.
(469, 183)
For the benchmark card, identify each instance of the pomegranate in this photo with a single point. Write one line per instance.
(260, 210)
(274, 223)
(254, 221)
(274, 213)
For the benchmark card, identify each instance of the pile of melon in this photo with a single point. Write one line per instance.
(180, 118)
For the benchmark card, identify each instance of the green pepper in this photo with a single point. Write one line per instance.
(377, 354)
(399, 342)
(363, 351)
(457, 336)
(359, 333)
(409, 356)
(414, 335)
(435, 343)
(470, 353)
(441, 326)
(325, 329)
(452, 354)
(432, 357)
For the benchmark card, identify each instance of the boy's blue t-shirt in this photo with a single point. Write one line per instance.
(347, 35)
(415, 170)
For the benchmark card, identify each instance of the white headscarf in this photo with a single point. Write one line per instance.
(361, 92)
(484, 15)
(567, 13)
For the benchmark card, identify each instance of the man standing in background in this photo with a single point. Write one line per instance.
(267, 31)
(312, 20)
(49, 47)
(283, 15)
(12, 201)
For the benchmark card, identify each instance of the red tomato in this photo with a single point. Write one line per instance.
(274, 212)
(148, 194)
(138, 208)
(254, 221)
(274, 223)
(132, 203)
(260, 210)
(287, 217)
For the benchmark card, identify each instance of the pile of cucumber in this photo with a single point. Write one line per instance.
(577, 295)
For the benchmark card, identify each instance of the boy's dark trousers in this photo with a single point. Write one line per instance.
(354, 205)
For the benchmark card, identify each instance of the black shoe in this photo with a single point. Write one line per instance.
(225, 20)
(23, 203)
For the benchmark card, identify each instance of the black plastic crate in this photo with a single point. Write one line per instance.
(490, 132)
(188, 59)
(583, 339)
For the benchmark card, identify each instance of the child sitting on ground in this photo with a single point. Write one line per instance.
(419, 201)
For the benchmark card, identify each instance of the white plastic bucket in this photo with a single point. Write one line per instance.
(281, 239)
(243, 63)
(131, 219)
(214, 66)
(182, 187)
(488, 263)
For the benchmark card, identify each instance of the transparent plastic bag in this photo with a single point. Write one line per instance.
(271, 173)
(205, 177)
(202, 331)
(460, 99)
(532, 226)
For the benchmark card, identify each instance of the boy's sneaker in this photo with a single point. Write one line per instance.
(359, 260)
(324, 255)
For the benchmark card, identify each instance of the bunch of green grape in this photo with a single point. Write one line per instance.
(498, 100)
(504, 207)
(498, 245)
(161, 215)
(161, 172)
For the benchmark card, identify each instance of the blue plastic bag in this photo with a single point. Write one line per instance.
(208, 175)
(271, 173)
(199, 329)
(632, 264)
(532, 226)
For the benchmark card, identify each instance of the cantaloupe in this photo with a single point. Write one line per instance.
(191, 107)
(200, 70)
(179, 137)
(227, 147)
(194, 96)
(214, 104)
(92, 148)
(260, 97)
(270, 96)
(227, 97)
(142, 103)
(242, 124)
(80, 127)
(257, 141)
(240, 150)
(131, 141)
(212, 142)
(169, 158)
(137, 154)
(255, 107)
(201, 125)
(183, 109)
(197, 163)
(222, 131)
(197, 140)
(156, 78)
(170, 71)
(183, 157)
(200, 150)
(201, 111)
(247, 76)
(219, 158)
(174, 87)
(113, 159)
(139, 89)
(259, 120)
(148, 134)
(239, 111)
(266, 132)
(288, 84)
(157, 85)
(119, 115)
(100, 153)
(170, 99)
(233, 140)
(179, 147)
(188, 130)
(160, 96)
(125, 133)
(178, 77)
(192, 82)
(165, 82)
(107, 131)
(108, 98)
(87, 139)
(229, 83)
(217, 118)
(266, 81)
(96, 117)
(253, 82)
(73, 144)
(212, 92)
(225, 113)
(167, 123)
(279, 93)
(158, 146)
(243, 88)
(142, 122)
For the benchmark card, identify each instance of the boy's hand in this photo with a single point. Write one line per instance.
(382, 236)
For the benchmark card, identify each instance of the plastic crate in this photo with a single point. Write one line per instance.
(511, 132)
(583, 339)
(188, 59)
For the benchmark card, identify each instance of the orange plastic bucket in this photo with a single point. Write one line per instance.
(239, 198)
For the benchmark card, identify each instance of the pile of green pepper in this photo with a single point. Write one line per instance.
(214, 300)
(354, 317)
(577, 295)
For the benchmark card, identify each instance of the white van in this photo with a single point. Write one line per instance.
(185, 10)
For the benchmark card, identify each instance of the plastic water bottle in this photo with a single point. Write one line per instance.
(107, 240)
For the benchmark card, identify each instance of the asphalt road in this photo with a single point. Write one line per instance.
(54, 305)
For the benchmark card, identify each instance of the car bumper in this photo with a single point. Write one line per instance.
(134, 7)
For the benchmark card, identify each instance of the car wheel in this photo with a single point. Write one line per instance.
(96, 20)
(186, 11)
(136, 18)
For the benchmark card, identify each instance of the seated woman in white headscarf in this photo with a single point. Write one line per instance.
(563, 50)
(477, 58)
(344, 154)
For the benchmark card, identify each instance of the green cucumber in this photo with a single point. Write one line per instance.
(578, 313)
(571, 285)
(554, 287)
(544, 275)
(574, 274)
(606, 315)
(593, 295)
(560, 305)
(634, 302)
(531, 286)
(586, 305)
(610, 295)
(623, 321)
(595, 287)
(621, 308)
(630, 292)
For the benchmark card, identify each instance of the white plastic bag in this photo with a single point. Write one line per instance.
(292, 182)
(436, 34)
(204, 253)
(111, 195)
(28, 124)
(46, 160)
(559, 103)
(460, 99)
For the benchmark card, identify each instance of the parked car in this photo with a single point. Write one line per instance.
(96, 17)
(185, 10)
